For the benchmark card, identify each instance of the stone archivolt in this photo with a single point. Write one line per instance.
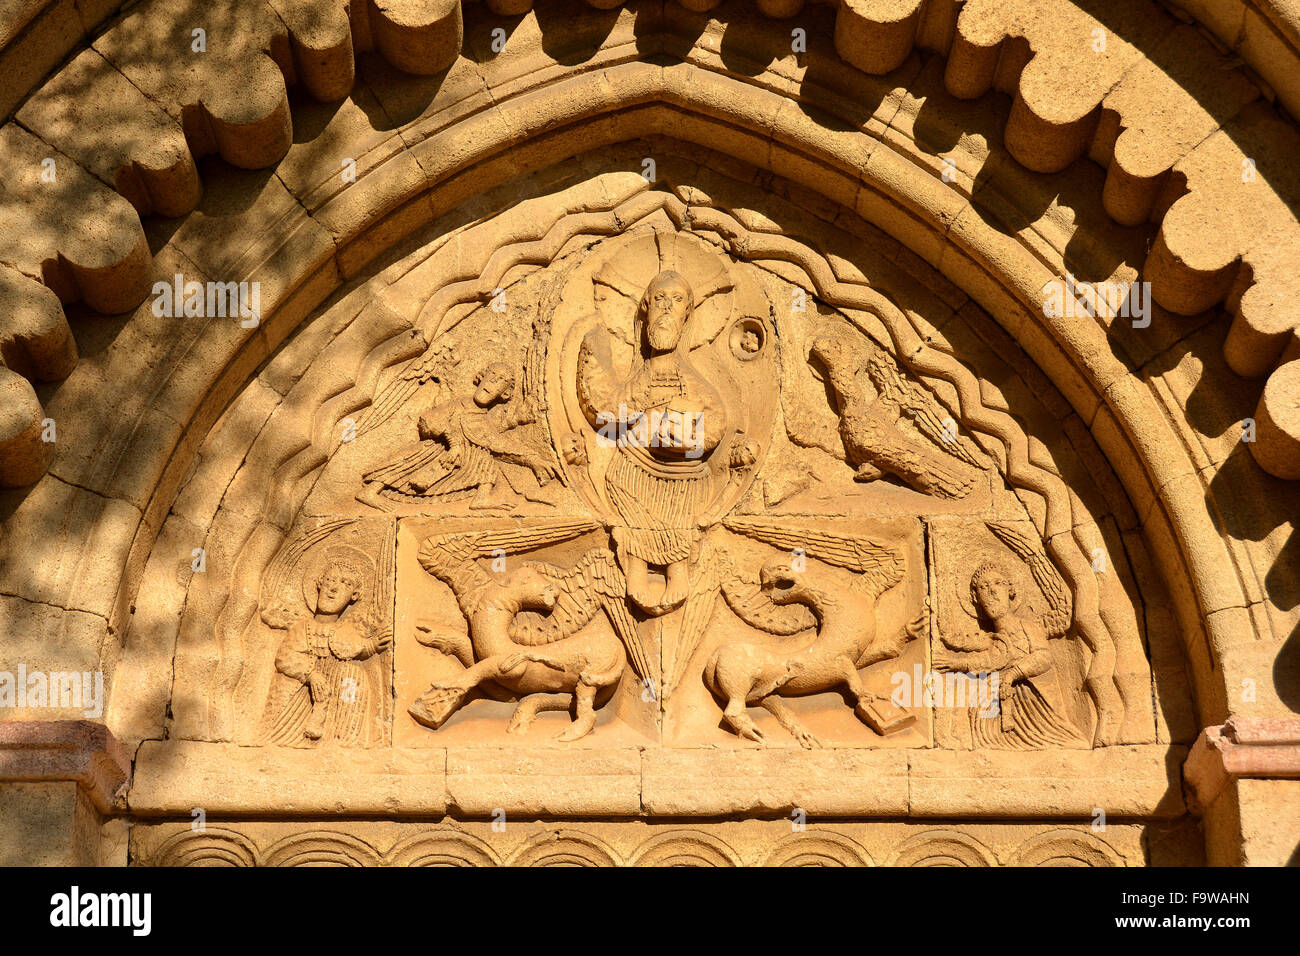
(897, 484)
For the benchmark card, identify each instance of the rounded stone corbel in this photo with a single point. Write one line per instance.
(35, 340)
(24, 457)
(320, 38)
(1277, 421)
(421, 37)
(876, 36)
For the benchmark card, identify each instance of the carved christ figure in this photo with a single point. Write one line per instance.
(1031, 714)
(463, 444)
(666, 419)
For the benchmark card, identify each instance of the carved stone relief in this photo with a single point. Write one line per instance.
(655, 495)
(747, 843)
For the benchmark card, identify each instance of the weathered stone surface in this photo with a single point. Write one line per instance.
(172, 777)
(646, 422)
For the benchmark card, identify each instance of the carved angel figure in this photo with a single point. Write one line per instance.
(791, 601)
(329, 682)
(529, 633)
(872, 414)
(469, 446)
(1013, 644)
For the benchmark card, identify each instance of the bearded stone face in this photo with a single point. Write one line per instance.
(668, 304)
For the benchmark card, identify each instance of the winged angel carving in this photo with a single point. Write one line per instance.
(1012, 642)
(330, 682)
(638, 342)
(482, 447)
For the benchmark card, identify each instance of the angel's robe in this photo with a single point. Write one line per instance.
(659, 490)
(459, 451)
(1032, 716)
(351, 672)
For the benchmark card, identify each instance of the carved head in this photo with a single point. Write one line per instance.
(338, 587)
(666, 306)
(529, 588)
(993, 591)
(781, 582)
(496, 383)
(837, 354)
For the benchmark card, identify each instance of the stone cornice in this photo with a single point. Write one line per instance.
(1128, 782)
(78, 750)
(1258, 747)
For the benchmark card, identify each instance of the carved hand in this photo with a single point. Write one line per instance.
(573, 450)
(744, 454)
(544, 471)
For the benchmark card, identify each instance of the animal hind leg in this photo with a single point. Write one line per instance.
(775, 706)
(585, 719)
(534, 704)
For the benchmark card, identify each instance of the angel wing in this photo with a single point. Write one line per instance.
(529, 402)
(913, 402)
(433, 366)
(450, 557)
(608, 581)
(1057, 619)
(513, 539)
(594, 584)
(384, 583)
(756, 609)
(881, 567)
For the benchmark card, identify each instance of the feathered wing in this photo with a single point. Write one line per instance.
(696, 613)
(433, 365)
(611, 587)
(1060, 605)
(450, 557)
(592, 585)
(913, 402)
(576, 603)
(527, 405)
(881, 567)
(756, 609)
(515, 539)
